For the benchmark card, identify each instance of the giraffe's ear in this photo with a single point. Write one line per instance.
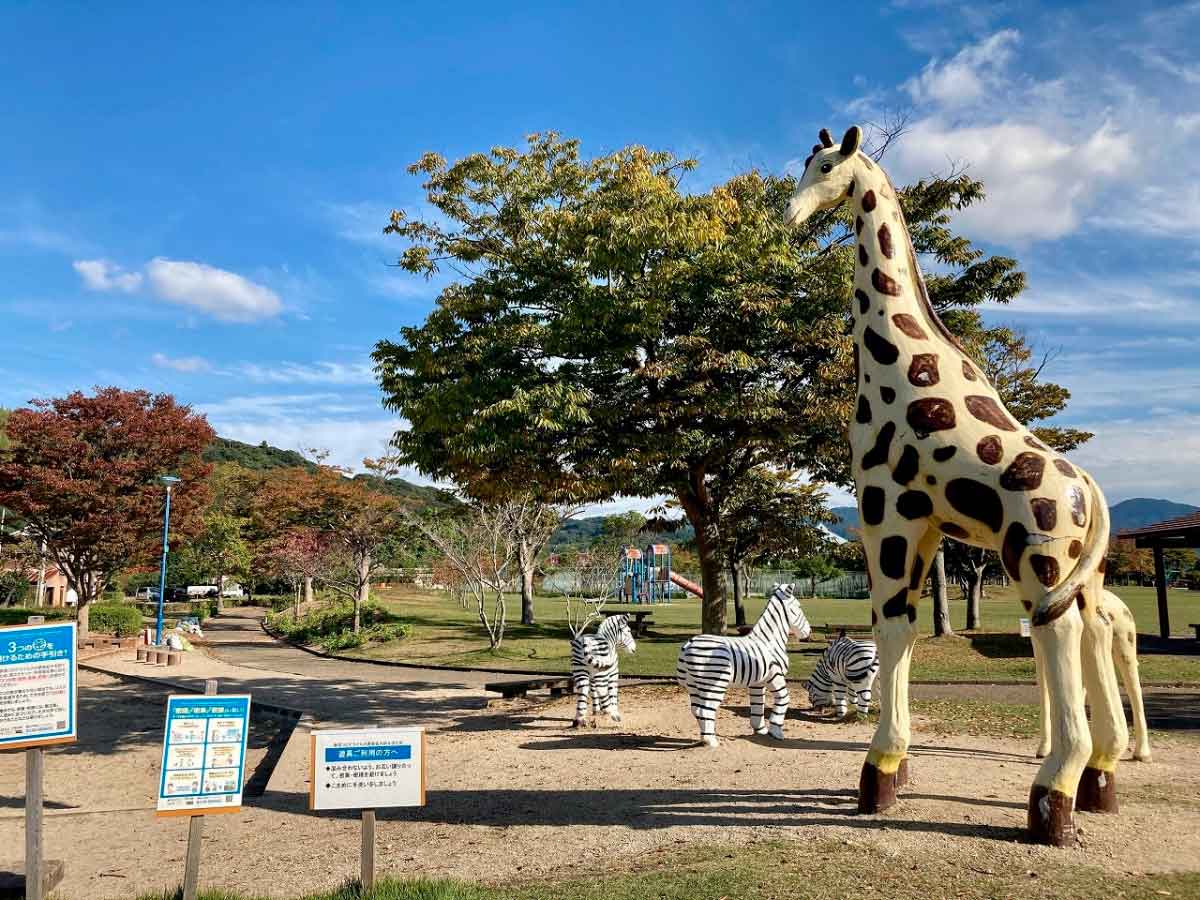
(826, 138)
(851, 141)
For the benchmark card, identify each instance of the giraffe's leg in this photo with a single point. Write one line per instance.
(1110, 735)
(898, 562)
(757, 706)
(582, 690)
(781, 699)
(1125, 656)
(1052, 797)
(1039, 668)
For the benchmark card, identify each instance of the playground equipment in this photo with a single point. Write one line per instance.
(646, 576)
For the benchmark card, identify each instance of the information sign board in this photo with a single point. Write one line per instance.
(367, 768)
(204, 754)
(37, 685)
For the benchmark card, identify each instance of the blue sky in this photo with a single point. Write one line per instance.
(191, 198)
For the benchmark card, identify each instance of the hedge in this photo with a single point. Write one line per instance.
(118, 619)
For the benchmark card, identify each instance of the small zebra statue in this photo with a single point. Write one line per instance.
(709, 664)
(594, 667)
(846, 667)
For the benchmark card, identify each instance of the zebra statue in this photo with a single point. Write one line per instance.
(709, 664)
(846, 667)
(594, 667)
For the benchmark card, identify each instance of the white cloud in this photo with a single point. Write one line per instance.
(222, 294)
(965, 77)
(180, 363)
(103, 275)
(1146, 456)
(312, 373)
(363, 223)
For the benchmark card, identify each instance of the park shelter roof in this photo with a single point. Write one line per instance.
(1183, 531)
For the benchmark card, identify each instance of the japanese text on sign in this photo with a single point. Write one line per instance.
(204, 754)
(37, 685)
(367, 768)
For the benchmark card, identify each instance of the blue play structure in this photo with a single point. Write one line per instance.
(645, 575)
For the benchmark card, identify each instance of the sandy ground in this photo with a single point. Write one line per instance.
(515, 794)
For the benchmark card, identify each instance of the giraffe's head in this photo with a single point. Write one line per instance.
(828, 174)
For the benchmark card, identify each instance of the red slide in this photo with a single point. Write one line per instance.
(689, 586)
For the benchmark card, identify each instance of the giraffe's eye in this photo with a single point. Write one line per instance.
(826, 167)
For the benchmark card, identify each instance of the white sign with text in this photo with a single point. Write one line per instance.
(367, 768)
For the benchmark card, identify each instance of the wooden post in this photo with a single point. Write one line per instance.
(191, 866)
(1160, 584)
(367, 860)
(34, 770)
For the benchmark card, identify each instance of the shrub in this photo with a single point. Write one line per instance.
(118, 619)
(329, 626)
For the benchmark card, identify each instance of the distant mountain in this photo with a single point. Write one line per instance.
(1139, 511)
(582, 532)
(263, 456)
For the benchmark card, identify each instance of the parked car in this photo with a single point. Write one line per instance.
(146, 593)
(200, 591)
(233, 590)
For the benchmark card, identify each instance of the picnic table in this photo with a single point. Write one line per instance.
(640, 619)
(510, 688)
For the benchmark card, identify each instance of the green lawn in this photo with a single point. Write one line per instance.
(444, 634)
(774, 870)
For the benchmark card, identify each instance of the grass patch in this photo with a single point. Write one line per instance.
(820, 870)
(979, 718)
(444, 634)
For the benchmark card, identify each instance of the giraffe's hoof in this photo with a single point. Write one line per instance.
(776, 731)
(877, 790)
(1043, 750)
(1097, 791)
(902, 773)
(1050, 819)
(709, 740)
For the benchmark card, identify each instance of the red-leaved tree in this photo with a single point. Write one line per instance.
(83, 473)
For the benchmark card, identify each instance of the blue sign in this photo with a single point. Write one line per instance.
(367, 754)
(37, 685)
(204, 754)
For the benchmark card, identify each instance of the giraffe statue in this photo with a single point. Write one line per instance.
(936, 453)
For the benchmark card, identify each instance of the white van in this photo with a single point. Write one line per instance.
(200, 591)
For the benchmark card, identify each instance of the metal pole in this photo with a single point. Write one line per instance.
(34, 770)
(367, 857)
(1160, 585)
(162, 571)
(191, 866)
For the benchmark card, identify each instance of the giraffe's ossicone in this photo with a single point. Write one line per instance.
(936, 453)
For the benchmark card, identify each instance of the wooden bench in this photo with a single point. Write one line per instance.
(640, 619)
(1196, 627)
(558, 685)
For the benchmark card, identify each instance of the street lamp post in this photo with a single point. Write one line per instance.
(170, 481)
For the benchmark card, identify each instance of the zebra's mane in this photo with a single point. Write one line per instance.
(610, 628)
(772, 625)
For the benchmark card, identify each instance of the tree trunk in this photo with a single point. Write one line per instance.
(739, 609)
(525, 558)
(82, 614)
(974, 596)
(308, 591)
(296, 604)
(364, 589)
(220, 592)
(941, 598)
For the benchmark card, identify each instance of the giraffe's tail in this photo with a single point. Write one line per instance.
(1056, 602)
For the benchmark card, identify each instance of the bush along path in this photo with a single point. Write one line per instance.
(330, 626)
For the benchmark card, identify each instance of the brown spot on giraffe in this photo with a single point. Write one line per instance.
(1078, 506)
(968, 372)
(874, 618)
(1045, 568)
(864, 302)
(1033, 442)
(863, 414)
(906, 466)
(897, 605)
(1027, 604)
(887, 394)
(929, 479)
(885, 241)
(955, 531)
(910, 326)
(930, 414)
(923, 370)
(878, 454)
(1064, 467)
(986, 409)
(884, 283)
(916, 576)
(1075, 549)
(989, 449)
(863, 259)
(1013, 548)
(941, 454)
(858, 225)
(1079, 601)
(868, 201)
(884, 351)
(1024, 473)
(1103, 567)
(857, 363)
(893, 554)
(873, 499)
(850, 188)
(914, 505)
(977, 500)
(1045, 512)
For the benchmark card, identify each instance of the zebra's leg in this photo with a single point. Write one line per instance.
(706, 699)
(614, 708)
(779, 707)
(898, 560)
(1110, 735)
(598, 692)
(757, 706)
(1043, 749)
(582, 689)
(862, 700)
(839, 700)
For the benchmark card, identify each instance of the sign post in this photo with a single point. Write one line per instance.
(37, 708)
(367, 769)
(203, 764)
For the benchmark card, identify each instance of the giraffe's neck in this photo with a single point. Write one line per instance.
(890, 303)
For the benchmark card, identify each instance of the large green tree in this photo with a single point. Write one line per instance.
(608, 332)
